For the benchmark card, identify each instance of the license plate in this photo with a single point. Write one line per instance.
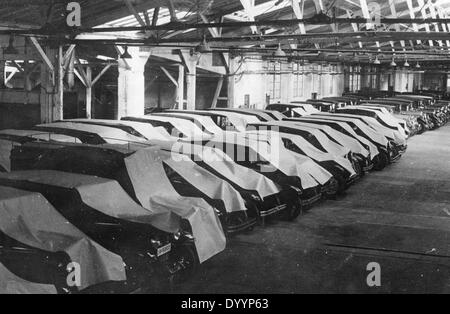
(164, 249)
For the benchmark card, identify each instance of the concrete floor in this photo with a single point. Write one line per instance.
(399, 218)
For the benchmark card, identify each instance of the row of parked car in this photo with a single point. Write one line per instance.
(105, 205)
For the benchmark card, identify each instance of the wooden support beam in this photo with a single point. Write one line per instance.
(81, 72)
(105, 69)
(68, 53)
(11, 75)
(155, 16)
(445, 26)
(397, 27)
(422, 7)
(217, 93)
(58, 106)
(89, 92)
(42, 54)
(180, 87)
(120, 52)
(248, 8)
(171, 78)
(2, 73)
(354, 26)
(17, 66)
(212, 30)
(146, 18)
(412, 15)
(299, 8)
(173, 13)
(134, 12)
(80, 77)
(231, 83)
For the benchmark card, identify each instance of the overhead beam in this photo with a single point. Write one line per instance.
(248, 8)
(135, 13)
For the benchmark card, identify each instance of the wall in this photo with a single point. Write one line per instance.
(14, 113)
(253, 79)
(401, 79)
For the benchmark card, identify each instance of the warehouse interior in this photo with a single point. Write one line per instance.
(104, 104)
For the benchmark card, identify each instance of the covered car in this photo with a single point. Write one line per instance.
(187, 178)
(11, 284)
(37, 244)
(231, 123)
(176, 127)
(270, 160)
(293, 110)
(339, 168)
(141, 175)
(387, 124)
(347, 136)
(260, 114)
(11, 138)
(148, 240)
(358, 151)
(90, 133)
(387, 149)
(142, 130)
(258, 191)
(206, 124)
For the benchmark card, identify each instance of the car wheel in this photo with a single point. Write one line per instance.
(292, 211)
(381, 161)
(186, 255)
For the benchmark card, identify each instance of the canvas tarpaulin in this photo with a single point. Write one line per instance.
(339, 137)
(108, 134)
(11, 284)
(366, 129)
(154, 190)
(30, 219)
(309, 172)
(144, 129)
(103, 195)
(245, 178)
(317, 154)
(112, 162)
(341, 127)
(206, 182)
(273, 152)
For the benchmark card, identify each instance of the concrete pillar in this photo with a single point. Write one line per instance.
(131, 83)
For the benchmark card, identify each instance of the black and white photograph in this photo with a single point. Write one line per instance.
(222, 153)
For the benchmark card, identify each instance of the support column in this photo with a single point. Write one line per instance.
(131, 83)
(2, 73)
(89, 112)
(180, 88)
(52, 87)
(191, 84)
(232, 82)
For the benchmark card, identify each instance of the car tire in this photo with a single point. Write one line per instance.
(381, 161)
